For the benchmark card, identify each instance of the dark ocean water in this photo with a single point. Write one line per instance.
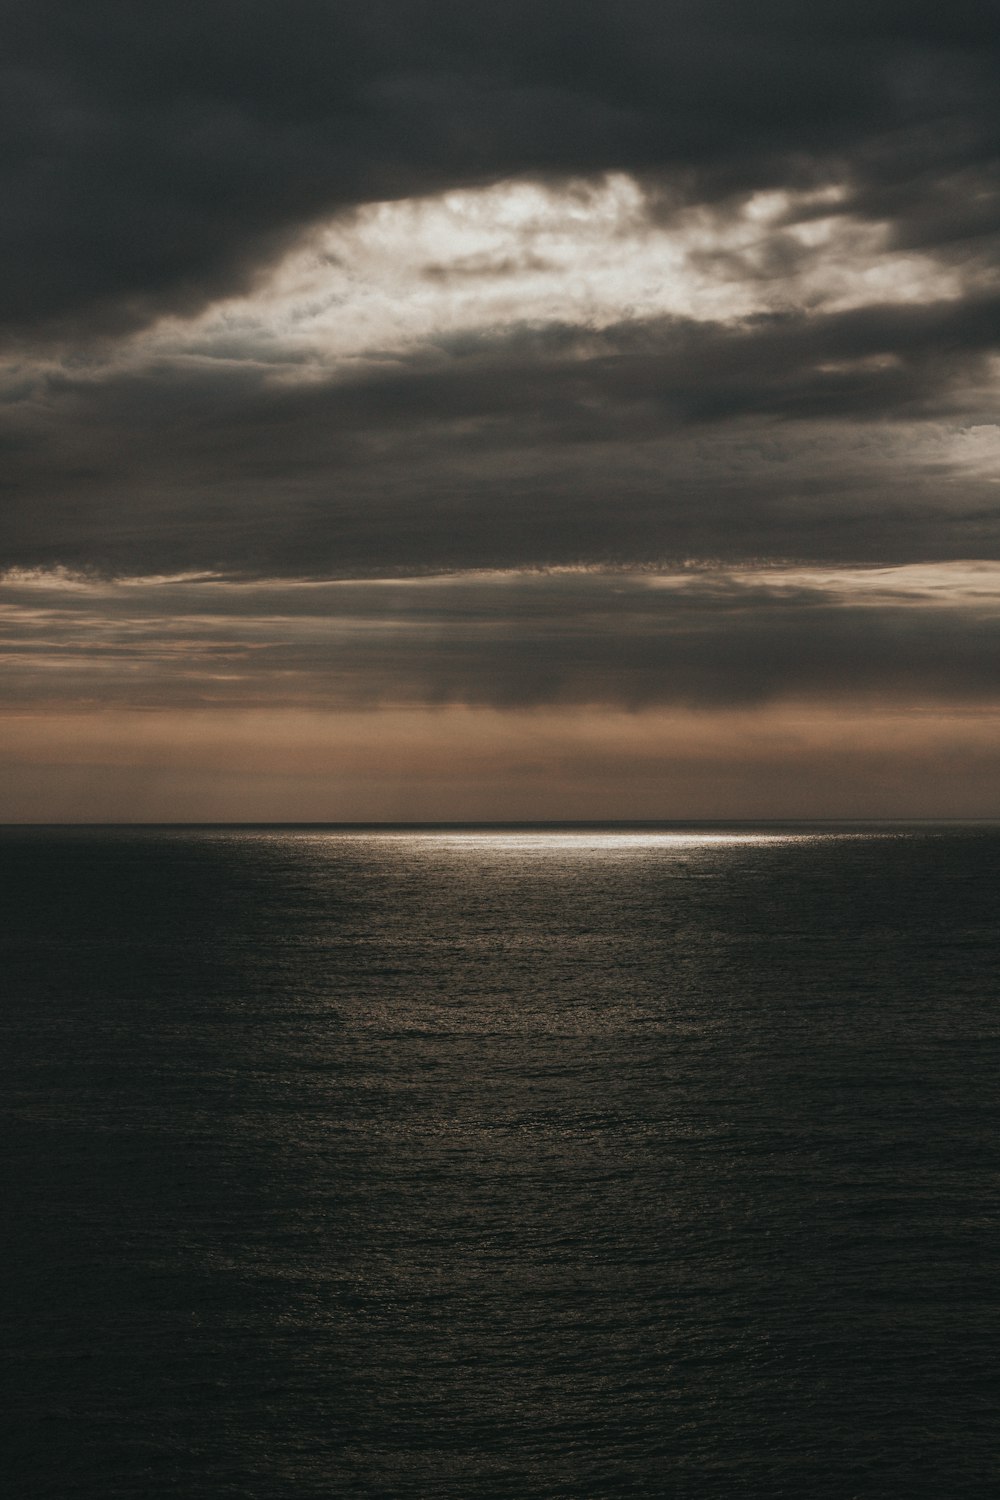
(508, 1163)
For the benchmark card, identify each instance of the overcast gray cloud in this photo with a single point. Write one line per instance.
(157, 154)
(789, 435)
(699, 639)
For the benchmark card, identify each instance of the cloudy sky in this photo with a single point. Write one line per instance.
(499, 410)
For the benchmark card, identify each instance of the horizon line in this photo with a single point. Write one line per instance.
(505, 823)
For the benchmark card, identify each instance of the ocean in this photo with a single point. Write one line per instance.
(529, 1162)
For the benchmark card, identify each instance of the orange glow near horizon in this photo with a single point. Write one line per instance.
(465, 764)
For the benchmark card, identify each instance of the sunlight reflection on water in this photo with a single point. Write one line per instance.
(598, 842)
(538, 843)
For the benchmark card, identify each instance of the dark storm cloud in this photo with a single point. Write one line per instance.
(635, 379)
(156, 155)
(779, 436)
(701, 640)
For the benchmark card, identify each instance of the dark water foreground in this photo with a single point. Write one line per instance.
(594, 1164)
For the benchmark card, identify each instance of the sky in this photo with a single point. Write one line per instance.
(429, 411)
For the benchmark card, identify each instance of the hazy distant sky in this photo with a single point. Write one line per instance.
(428, 410)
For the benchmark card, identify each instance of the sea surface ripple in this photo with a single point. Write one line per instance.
(511, 1162)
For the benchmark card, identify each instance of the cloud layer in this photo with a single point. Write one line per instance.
(517, 640)
(556, 357)
(160, 156)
